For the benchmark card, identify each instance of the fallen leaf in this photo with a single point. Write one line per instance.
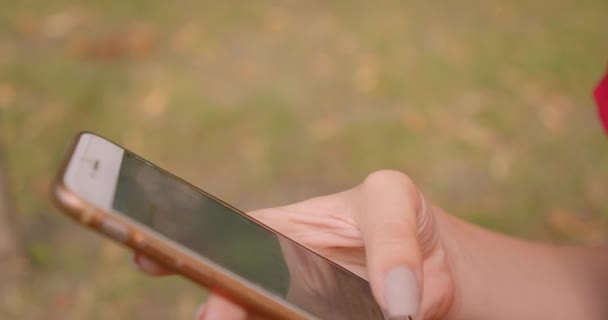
(7, 95)
(136, 41)
(325, 127)
(277, 20)
(186, 37)
(29, 25)
(414, 119)
(61, 24)
(154, 103)
(62, 303)
(573, 225)
(323, 65)
(366, 75)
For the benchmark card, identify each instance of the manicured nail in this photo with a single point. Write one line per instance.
(200, 313)
(146, 265)
(401, 294)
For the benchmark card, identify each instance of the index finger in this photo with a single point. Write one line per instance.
(148, 266)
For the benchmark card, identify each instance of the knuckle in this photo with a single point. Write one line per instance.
(386, 177)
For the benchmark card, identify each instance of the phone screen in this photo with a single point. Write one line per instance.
(266, 259)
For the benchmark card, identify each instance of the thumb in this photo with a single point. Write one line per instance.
(389, 203)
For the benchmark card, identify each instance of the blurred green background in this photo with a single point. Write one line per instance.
(486, 104)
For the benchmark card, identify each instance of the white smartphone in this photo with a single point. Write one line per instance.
(115, 192)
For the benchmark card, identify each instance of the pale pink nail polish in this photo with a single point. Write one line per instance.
(401, 293)
(147, 264)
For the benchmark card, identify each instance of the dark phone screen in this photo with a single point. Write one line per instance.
(267, 260)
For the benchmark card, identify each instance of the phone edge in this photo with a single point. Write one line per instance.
(218, 281)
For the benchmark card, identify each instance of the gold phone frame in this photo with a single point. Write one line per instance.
(132, 235)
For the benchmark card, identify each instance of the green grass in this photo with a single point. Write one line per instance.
(487, 105)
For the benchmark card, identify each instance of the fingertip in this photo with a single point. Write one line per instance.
(200, 312)
(218, 308)
(148, 266)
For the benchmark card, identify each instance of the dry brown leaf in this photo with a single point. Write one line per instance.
(571, 224)
(30, 26)
(551, 117)
(62, 303)
(186, 37)
(62, 24)
(7, 95)
(366, 74)
(323, 65)
(245, 70)
(277, 20)
(136, 41)
(325, 127)
(154, 103)
(347, 44)
(414, 119)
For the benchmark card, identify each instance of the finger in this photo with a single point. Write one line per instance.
(148, 266)
(389, 204)
(218, 308)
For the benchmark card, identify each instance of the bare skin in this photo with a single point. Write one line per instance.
(461, 271)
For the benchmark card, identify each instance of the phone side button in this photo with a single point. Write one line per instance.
(115, 230)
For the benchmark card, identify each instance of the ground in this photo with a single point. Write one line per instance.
(487, 105)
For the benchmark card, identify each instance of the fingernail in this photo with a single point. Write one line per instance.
(200, 313)
(401, 294)
(147, 265)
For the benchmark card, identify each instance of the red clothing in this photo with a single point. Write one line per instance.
(601, 96)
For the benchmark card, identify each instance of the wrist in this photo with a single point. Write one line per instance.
(460, 250)
(453, 238)
(586, 267)
(496, 276)
(500, 277)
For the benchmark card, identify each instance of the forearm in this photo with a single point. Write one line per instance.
(500, 277)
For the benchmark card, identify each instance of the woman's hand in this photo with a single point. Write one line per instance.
(423, 262)
(382, 230)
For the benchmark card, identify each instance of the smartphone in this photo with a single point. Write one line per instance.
(108, 189)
